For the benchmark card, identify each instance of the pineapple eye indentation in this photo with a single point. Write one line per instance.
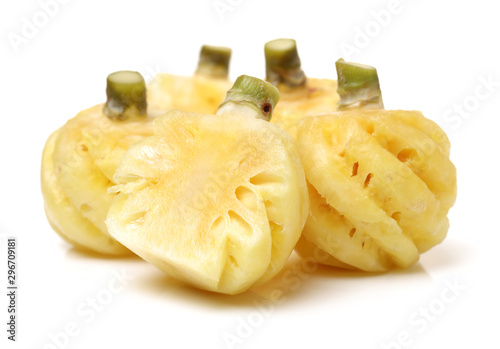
(218, 225)
(396, 216)
(265, 178)
(136, 218)
(352, 232)
(233, 261)
(247, 197)
(240, 222)
(370, 128)
(355, 169)
(367, 180)
(276, 231)
(85, 208)
(406, 154)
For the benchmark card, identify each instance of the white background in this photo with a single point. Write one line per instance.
(431, 56)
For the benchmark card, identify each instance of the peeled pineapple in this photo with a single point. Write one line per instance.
(201, 93)
(79, 161)
(300, 96)
(217, 201)
(380, 182)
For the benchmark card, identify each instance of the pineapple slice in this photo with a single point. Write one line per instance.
(380, 182)
(217, 201)
(201, 93)
(79, 161)
(300, 96)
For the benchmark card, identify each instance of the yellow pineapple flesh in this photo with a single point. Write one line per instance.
(217, 201)
(78, 164)
(201, 93)
(380, 186)
(196, 93)
(317, 96)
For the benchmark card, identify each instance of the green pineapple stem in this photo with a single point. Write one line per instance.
(283, 63)
(358, 86)
(214, 62)
(250, 96)
(126, 95)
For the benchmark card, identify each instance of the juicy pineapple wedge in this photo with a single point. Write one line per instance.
(217, 201)
(300, 96)
(380, 182)
(78, 164)
(201, 93)
(380, 187)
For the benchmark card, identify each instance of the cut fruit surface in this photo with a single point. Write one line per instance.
(380, 186)
(217, 201)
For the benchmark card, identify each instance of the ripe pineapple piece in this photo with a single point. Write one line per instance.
(201, 93)
(380, 182)
(217, 201)
(300, 96)
(79, 161)
(64, 217)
